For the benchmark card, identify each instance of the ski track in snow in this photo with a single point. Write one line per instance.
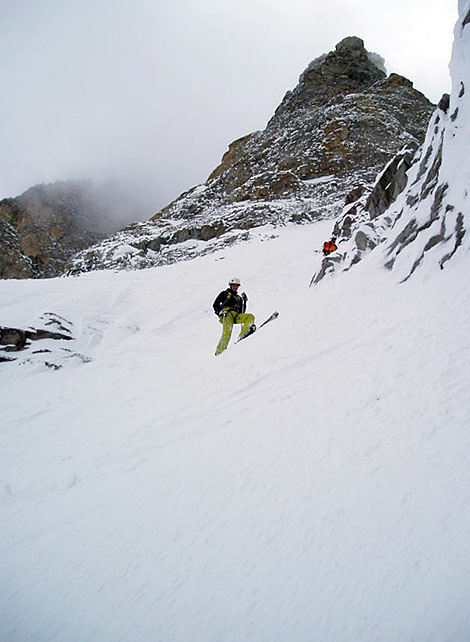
(311, 483)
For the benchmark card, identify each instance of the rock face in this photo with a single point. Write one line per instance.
(418, 211)
(360, 229)
(47, 225)
(303, 141)
(328, 138)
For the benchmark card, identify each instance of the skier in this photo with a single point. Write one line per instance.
(329, 246)
(230, 307)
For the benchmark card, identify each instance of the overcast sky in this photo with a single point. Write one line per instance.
(152, 91)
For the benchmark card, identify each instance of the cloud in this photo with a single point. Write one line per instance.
(152, 92)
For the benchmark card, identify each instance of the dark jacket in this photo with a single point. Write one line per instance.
(229, 300)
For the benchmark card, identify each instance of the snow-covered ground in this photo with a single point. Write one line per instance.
(311, 484)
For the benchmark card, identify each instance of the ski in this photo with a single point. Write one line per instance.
(273, 316)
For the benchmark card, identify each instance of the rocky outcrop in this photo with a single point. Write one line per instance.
(14, 340)
(329, 137)
(46, 346)
(48, 224)
(390, 184)
(359, 230)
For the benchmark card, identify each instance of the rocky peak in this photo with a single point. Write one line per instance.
(328, 139)
(349, 69)
(344, 114)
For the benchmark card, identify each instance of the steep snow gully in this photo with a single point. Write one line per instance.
(311, 483)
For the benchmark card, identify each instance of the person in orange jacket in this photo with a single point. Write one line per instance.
(329, 246)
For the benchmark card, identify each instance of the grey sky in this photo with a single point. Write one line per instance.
(152, 92)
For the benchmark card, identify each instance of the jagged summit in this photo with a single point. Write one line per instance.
(349, 69)
(330, 136)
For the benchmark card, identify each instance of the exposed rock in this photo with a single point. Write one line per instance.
(390, 184)
(357, 230)
(15, 339)
(347, 70)
(12, 338)
(48, 224)
(13, 263)
(444, 103)
(16, 344)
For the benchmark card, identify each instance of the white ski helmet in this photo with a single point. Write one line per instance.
(234, 281)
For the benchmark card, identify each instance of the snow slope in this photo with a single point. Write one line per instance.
(310, 484)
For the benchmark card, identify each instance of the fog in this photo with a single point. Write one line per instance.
(150, 93)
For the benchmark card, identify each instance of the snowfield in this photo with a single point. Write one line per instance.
(311, 484)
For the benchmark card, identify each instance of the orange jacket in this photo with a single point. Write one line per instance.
(329, 246)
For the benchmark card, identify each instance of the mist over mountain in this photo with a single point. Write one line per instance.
(44, 227)
(324, 145)
(153, 93)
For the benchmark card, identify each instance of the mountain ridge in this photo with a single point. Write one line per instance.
(45, 226)
(320, 145)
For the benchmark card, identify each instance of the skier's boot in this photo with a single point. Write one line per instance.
(250, 330)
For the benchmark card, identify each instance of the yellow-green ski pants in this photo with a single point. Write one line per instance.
(230, 318)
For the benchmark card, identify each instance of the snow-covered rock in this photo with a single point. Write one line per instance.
(433, 215)
(427, 219)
